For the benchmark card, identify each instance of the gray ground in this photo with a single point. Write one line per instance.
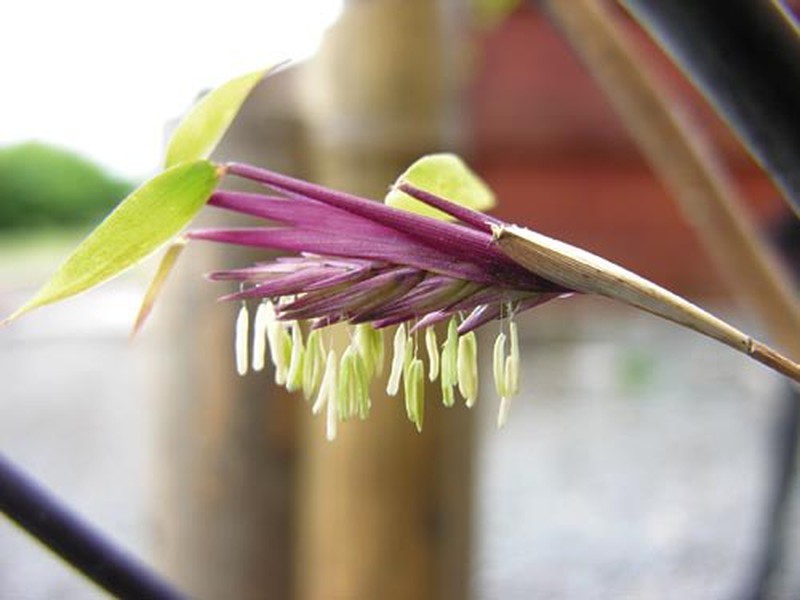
(634, 464)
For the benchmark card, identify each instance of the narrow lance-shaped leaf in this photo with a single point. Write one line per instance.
(144, 221)
(165, 267)
(445, 175)
(203, 127)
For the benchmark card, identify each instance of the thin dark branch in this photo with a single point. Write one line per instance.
(83, 547)
(744, 56)
(774, 540)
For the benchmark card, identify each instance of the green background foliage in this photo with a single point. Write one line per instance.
(45, 186)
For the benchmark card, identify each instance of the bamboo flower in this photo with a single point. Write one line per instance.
(362, 263)
(371, 266)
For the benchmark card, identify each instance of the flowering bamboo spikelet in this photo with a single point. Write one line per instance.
(373, 266)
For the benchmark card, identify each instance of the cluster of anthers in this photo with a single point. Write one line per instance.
(341, 384)
(371, 266)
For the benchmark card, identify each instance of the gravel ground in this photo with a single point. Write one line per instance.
(630, 469)
(634, 464)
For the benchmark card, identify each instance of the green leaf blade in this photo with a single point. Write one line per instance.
(148, 218)
(445, 175)
(203, 127)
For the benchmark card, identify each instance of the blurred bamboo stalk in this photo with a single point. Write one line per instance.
(684, 161)
(225, 443)
(384, 512)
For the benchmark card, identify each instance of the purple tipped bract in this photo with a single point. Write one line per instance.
(360, 261)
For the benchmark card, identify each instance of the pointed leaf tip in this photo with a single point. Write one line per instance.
(149, 217)
(168, 262)
(445, 175)
(206, 123)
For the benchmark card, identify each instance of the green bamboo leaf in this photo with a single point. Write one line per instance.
(148, 218)
(445, 175)
(201, 130)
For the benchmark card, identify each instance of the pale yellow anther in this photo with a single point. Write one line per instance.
(241, 339)
(432, 347)
(279, 343)
(448, 395)
(281, 352)
(260, 336)
(294, 378)
(369, 342)
(376, 337)
(361, 387)
(467, 367)
(414, 390)
(510, 376)
(502, 413)
(345, 388)
(398, 360)
(512, 362)
(364, 345)
(313, 364)
(498, 365)
(327, 387)
(449, 364)
(271, 323)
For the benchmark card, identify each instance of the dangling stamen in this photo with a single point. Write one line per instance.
(512, 362)
(343, 393)
(361, 386)
(313, 364)
(398, 360)
(414, 388)
(260, 336)
(327, 387)
(280, 346)
(511, 376)
(294, 378)
(432, 347)
(467, 367)
(240, 340)
(376, 337)
(449, 364)
(499, 364)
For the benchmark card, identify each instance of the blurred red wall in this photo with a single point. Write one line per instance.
(554, 151)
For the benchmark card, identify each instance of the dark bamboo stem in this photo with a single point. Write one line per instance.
(75, 541)
(744, 56)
